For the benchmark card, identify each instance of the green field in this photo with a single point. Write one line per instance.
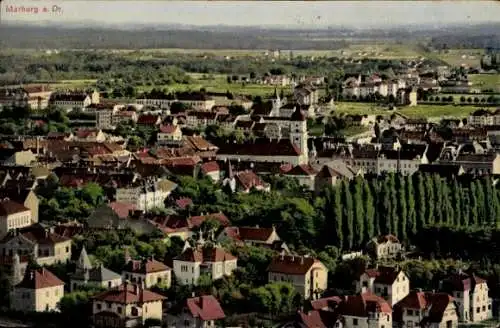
(429, 111)
(486, 81)
(218, 83)
(458, 57)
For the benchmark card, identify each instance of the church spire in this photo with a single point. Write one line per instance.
(84, 261)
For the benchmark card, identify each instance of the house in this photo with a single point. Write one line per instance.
(182, 227)
(93, 276)
(149, 272)
(169, 133)
(326, 176)
(426, 309)
(306, 274)
(383, 247)
(211, 169)
(196, 312)
(471, 296)
(146, 195)
(149, 120)
(89, 135)
(13, 216)
(71, 100)
(365, 310)
(256, 236)
(305, 174)
(19, 158)
(26, 197)
(42, 243)
(391, 283)
(128, 305)
(201, 118)
(306, 95)
(248, 180)
(210, 260)
(39, 291)
(110, 216)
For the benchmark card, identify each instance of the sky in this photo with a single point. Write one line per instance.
(297, 14)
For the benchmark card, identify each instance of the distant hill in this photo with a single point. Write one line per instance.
(85, 35)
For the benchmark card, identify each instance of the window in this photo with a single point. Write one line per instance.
(355, 322)
(109, 284)
(186, 323)
(99, 306)
(409, 324)
(135, 312)
(410, 312)
(119, 309)
(484, 308)
(478, 309)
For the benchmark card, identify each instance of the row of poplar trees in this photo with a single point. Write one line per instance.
(359, 209)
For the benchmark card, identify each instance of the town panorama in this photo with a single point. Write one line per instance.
(335, 170)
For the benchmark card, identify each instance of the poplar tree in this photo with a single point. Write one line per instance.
(411, 228)
(348, 223)
(369, 203)
(359, 212)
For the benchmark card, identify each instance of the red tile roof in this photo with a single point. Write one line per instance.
(148, 119)
(302, 170)
(9, 207)
(362, 304)
(325, 302)
(255, 233)
(145, 267)
(206, 254)
(435, 303)
(122, 209)
(210, 167)
(248, 179)
(169, 128)
(196, 221)
(261, 147)
(383, 274)
(291, 264)
(183, 202)
(205, 307)
(39, 278)
(127, 294)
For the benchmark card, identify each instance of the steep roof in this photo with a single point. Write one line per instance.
(261, 147)
(302, 170)
(39, 278)
(97, 274)
(362, 304)
(384, 275)
(146, 266)
(128, 293)
(9, 207)
(291, 264)
(205, 254)
(205, 307)
(436, 303)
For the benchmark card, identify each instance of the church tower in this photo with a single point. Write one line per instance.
(298, 131)
(277, 103)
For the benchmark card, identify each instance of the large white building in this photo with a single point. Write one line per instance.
(146, 195)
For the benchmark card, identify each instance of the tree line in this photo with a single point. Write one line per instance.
(357, 210)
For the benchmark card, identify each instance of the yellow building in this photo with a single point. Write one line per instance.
(128, 305)
(308, 275)
(149, 272)
(39, 291)
(13, 216)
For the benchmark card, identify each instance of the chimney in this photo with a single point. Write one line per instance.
(302, 260)
(293, 258)
(193, 294)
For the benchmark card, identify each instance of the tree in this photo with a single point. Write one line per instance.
(348, 215)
